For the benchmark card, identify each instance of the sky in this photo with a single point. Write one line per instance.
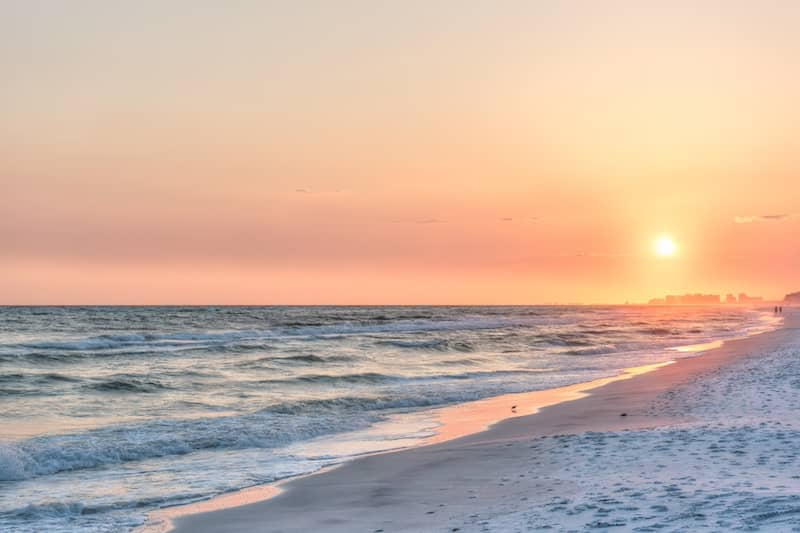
(361, 152)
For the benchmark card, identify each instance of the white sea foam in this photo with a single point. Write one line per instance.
(46, 455)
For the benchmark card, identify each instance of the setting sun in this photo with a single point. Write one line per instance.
(665, 247)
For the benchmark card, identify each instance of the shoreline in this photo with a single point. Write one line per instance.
(456, 421)
(577, 408)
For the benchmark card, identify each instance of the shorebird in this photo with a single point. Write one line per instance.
(514, 408)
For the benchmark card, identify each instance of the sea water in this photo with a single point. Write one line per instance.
(107, 413)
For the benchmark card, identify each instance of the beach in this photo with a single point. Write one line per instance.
(705, 443)
(399, 266)
(114, 414)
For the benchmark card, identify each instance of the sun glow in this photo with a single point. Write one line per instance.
(665, 247)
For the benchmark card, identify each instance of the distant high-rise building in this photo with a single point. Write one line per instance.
(714, 299)
(745, 299)
(687, 299)
(792, 298)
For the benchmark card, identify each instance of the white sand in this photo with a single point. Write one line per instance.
(710, 443)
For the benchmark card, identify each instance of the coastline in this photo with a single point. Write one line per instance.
(456, 422)
(397, 489)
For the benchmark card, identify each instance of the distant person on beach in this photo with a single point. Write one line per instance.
(776, 310)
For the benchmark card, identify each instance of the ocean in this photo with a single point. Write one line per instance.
(111, 412)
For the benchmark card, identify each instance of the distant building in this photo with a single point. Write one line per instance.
(701, 299)
(714, 299)
(687, 299)
(745, 299)
(792, 298)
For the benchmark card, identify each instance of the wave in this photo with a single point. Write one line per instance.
(460, 362)
(364, 377)
(588, 330)
(99, 342)
(594, 350)
(305, 360)
(375, 377)
(564, 339)
(18, 384)
(660, 331)
(72, 510)
(50, 510)
(112, 343)
(308, 358)
(128, 383)
(275, 426)
(37, 378)
(53, 376)
(438, 345)
(251, 340)
(49, 455)
(378, 403)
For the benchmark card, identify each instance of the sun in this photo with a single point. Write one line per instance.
(665, 246)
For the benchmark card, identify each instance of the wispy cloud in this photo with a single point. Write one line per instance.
(415, 220)
(519, 219)
(603, 254)
(763, 218)
(304, 190)
(432, 220)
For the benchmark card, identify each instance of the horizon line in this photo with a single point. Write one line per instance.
(548, 304)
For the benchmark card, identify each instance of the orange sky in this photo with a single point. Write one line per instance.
(350, 152)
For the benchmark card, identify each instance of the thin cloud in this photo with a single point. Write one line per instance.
(303, 190)
(603, 254)
(529, 219)
(519, 219)
(415, 221)
(763, 218)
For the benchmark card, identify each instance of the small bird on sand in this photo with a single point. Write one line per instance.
(514, 408)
